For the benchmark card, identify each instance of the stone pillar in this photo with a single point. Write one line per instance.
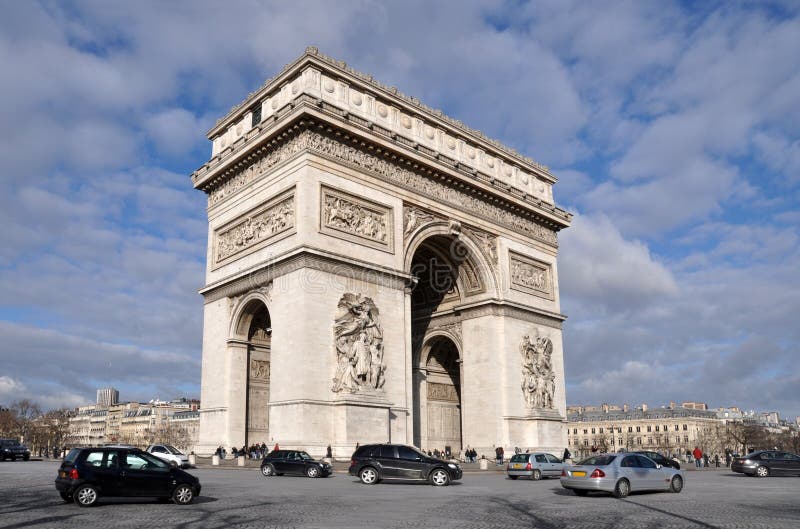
(237, 396)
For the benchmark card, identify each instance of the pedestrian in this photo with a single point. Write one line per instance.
(566, 455)
(498, 452)
(329, 452)
(698, 455)
(727, 458)
(276, 447)
(705, 460)
(716, 460)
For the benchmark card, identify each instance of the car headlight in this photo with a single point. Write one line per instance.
(452, 465)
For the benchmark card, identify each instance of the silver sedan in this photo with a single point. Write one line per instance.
(620, 474)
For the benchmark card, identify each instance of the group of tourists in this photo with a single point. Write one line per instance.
(254, 451)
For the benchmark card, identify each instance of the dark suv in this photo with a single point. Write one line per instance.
(13, 449)
(372, 463)
(88, 473)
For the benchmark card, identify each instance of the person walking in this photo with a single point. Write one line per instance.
(566, 455)
(329, 452)
(698, 455)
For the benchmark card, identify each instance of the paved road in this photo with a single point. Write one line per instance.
(244, 499)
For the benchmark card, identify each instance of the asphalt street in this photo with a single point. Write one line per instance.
(242, 498)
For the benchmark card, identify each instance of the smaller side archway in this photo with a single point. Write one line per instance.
(250, 346)
(437, 394)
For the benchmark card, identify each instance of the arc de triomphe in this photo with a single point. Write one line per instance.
(376, 271)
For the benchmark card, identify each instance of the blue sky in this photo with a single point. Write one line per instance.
(674, 129)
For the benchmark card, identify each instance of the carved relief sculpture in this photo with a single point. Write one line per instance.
(259, 369)
(345, 214)
(359, 346)
(538, 379)
(530, 276)
(414, 217)
(258, 226)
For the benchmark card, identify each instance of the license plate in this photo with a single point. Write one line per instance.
(579, 474)
(517, 465)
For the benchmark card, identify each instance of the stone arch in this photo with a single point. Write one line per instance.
(438, 379)
(474, 258)
(250, 347)
(243, 312)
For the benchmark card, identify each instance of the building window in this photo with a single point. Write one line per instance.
(575, 431)
(585, 442)
(638, 440)
(638, 429)
(612, 441)
(256, 115)
(656, 427)
(678, 439)
(585, 431)
(685, 438)
(649, 440)
(620, 441)
(649, 428)
(592, 430)
(601, 430)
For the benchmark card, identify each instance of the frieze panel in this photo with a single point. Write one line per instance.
(255, 228)
(426, 186)
(530, 275)
(356, 219)
(387, 170)
(444, 392)
(259, 369)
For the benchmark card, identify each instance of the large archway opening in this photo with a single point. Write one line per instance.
(256, 325)
(445, 274)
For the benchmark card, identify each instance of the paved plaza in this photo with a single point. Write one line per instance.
(242, 498)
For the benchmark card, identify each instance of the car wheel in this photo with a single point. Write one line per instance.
(66, 497)
(173, 464)
(268, 470)
(85, 496)
(440, 477)
(312, 472)
(622, 489)
(537, 475)
(183, 494)
(368, 475)
(676, 485)
(580, 492)
(762, 472)
(513, 477)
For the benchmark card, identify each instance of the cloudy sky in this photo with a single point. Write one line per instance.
(674, 130)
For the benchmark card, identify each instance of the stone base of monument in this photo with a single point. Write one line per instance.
(240, 460)
(215, 460)
(192, 459)
(483, 464)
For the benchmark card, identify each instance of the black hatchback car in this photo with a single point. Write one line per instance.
(765, 463)
(295, 462)
(661, 460)
(372, 463)
(86, 474)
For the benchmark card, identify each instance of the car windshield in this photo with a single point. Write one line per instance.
(304, 456)
(10, 442)
(72, 455)
(172, 450)
(597, 461)
(519, 458)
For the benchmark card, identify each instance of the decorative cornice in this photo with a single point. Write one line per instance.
(260, 276)
(494, 307)
(391, 93)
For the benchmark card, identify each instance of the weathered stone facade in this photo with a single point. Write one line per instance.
(377, 266)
